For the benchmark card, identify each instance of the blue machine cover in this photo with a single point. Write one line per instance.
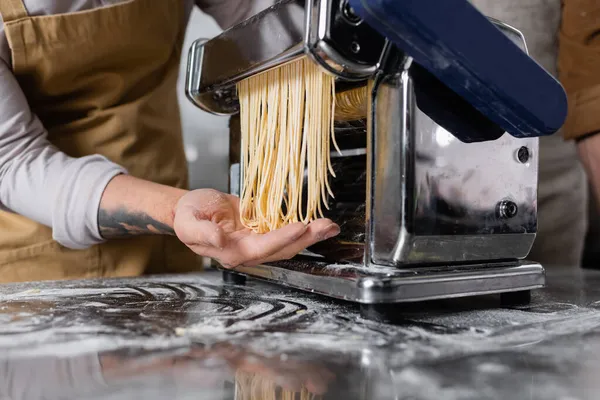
(457, 44)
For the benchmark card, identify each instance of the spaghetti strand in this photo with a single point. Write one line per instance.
(287, 128)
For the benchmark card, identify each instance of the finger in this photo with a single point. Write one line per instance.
(253, 367)
(261, 246)
(287, 382)
(316, 386)
(316, 231)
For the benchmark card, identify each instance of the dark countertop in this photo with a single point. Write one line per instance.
(193, 337)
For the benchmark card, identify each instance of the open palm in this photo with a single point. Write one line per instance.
(208, 222)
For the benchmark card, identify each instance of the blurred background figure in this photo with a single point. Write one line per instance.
(579, 71)
(563, 193)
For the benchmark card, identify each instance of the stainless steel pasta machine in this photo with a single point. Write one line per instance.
(436, 188)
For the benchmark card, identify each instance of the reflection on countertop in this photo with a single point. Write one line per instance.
(195, 337)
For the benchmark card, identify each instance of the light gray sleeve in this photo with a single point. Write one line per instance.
(42, 183)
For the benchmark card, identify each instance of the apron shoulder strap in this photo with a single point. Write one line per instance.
(12, 10)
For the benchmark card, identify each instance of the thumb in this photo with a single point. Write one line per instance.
(207, 233)
(193, 230)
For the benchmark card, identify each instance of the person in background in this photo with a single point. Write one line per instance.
(93, 174)
(563, 193)
(579, 71)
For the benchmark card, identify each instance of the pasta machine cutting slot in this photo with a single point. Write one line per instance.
(436, 188)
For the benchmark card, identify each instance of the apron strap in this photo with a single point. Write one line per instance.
(12, 10)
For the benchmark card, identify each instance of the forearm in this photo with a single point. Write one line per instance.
(589, 153)
(85, 200)
(42, 183)
(131, 207)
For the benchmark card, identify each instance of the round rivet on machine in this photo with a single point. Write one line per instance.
(349, 14)
(355, 47)
(523, 155)
(506, 209)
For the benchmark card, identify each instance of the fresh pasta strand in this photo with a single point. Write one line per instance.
(352, 104)
(253, 386)
(287, 124)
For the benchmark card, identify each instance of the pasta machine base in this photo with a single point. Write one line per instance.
(381, 285)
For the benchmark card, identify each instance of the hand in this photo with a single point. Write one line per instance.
(589, 151)
(290, 374)
(208, 222)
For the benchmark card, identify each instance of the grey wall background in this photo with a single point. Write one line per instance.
(206, 136)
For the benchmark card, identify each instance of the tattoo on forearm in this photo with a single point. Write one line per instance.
(121, 223)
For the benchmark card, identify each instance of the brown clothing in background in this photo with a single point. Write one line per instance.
(579, 65)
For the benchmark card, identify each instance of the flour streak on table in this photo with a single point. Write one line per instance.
(420, 346)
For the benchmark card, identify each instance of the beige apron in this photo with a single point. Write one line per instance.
(102, 82)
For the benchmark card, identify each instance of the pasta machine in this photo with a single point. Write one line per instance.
(436, 188)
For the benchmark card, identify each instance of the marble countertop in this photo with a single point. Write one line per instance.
(195, 337)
